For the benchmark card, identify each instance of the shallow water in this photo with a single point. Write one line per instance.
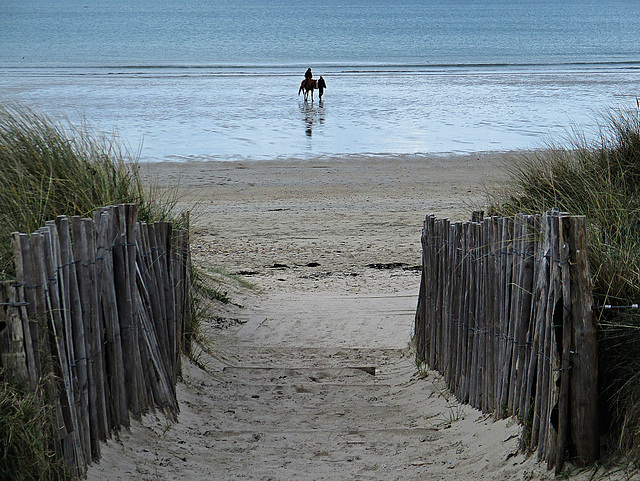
(207, 80)
(171, 116)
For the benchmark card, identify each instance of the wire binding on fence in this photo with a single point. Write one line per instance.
(611, 306)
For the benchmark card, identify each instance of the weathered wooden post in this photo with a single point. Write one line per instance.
(119, 414)
(13, 356)
(583, 386)
(84, 253)
(75, 329)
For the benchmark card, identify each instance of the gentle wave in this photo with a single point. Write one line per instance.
(351, 68)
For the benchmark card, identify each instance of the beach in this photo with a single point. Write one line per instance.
(306, 217)
(308, 372)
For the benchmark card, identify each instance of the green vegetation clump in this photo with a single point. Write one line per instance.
(50, 169)
(601, 180)
(26, 432)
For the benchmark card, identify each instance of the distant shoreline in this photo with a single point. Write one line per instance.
(347, 157)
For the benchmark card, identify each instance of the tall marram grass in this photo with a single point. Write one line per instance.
(601, 180)
(48, 169)
(26, 433)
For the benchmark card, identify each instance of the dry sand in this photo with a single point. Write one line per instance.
(309, 375)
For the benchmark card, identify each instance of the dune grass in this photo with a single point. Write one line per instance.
(26, 449)
(50, 169)
(601, 180)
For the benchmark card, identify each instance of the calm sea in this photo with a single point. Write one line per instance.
(218, 79)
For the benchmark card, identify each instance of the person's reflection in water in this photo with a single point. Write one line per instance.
(312, 114)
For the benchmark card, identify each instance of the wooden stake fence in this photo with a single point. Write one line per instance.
(98, 312)
(504, 313)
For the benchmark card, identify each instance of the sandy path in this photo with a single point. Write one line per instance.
(313, 378)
